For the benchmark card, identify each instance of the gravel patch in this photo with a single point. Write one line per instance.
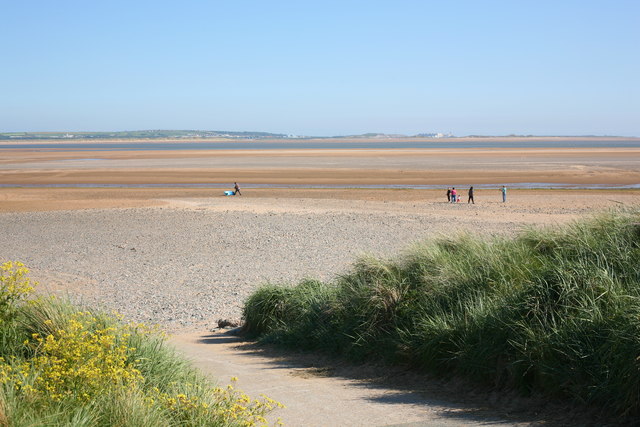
(185, 268)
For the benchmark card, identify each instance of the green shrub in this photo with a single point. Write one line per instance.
(555, 311)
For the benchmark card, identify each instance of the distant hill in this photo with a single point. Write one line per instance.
(191, 134)
(140, 134)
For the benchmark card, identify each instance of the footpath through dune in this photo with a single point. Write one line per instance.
(317, 393)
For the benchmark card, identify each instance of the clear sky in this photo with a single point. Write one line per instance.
(558, 67)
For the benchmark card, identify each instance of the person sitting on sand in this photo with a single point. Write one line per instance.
(471, 196)
(236, 189)
(454, 195)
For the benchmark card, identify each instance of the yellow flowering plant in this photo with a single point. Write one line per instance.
(15, 285)
(56, 357)
(223, 404)
(79, 362)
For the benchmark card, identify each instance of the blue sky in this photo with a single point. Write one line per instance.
(322, 68)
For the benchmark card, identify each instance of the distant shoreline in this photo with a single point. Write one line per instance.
(302, 140)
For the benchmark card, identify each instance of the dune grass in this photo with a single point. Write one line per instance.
(60, 366)
(552, 311)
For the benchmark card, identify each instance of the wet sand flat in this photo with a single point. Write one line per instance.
(353, 167)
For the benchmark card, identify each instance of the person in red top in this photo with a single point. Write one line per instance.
(454, 195)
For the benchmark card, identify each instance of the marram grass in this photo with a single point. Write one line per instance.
(60, 366)
(553, 311)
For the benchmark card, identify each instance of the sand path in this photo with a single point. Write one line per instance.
(316, 392)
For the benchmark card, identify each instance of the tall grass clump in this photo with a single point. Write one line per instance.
(553, 311)
(62, 366)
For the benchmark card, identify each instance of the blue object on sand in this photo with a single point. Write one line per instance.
(229, 193)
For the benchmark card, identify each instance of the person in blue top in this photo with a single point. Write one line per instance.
(504, 194)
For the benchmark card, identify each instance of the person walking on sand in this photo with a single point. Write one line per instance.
(236, 189)
(504, 194)
(471, 196)
(454, 195)
(449, 194)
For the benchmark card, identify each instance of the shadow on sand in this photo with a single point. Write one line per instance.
(455, 399)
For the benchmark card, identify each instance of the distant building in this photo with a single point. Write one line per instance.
(434, 135)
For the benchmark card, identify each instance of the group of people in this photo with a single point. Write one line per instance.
(454, 197)
(452, 194)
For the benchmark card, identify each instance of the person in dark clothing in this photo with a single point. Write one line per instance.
(236, 189)
(471, 196)
(449, 194)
